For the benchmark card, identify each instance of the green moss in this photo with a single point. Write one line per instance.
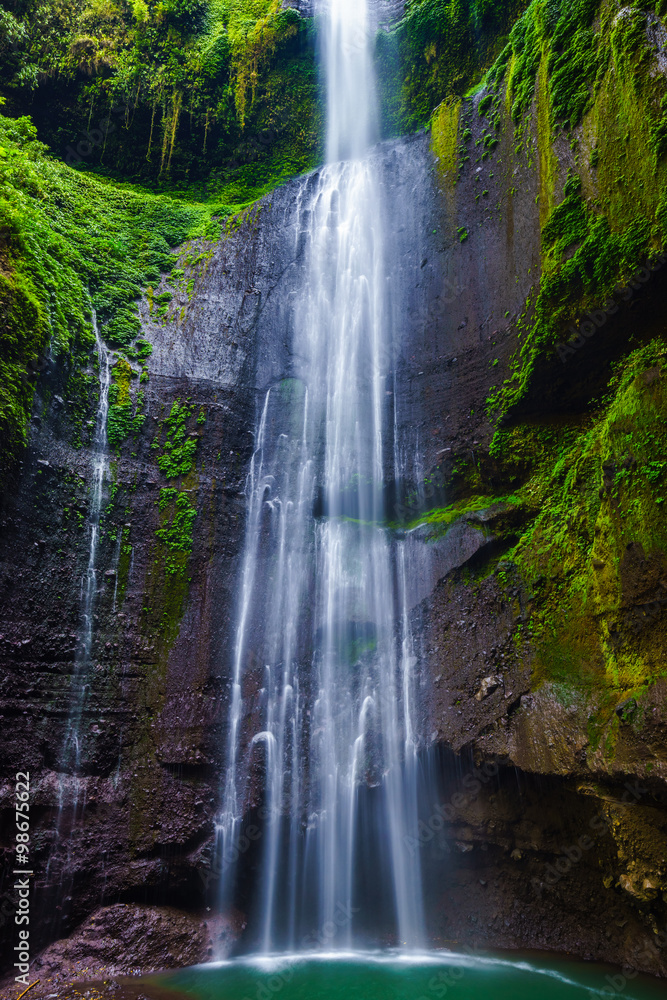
(568, 223)
(167, 495)
(547, 160)
(154, 92)
(594, 553)
(23, 334)
(177, 461)
(259, 45)
(176, 535)
(125, 416)
(605, 226)
(574, 60)
(180, 445)
(448, 515)
(526, 43)
(143, 349)
(442, 47)
(561, 32)
(120, 403)
(444, 138)
(68, 241)
(443, 517)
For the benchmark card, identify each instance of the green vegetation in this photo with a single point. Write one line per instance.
(215, 102)
(120, 403)
(597, 547)
(439, 48)
(69, 241)
(180, 445)
(125, 417)
(179, 449)
(177, 533)
(584, 533)
(221, 95)
(574, 502)
(564, 32)
(590, 64)
(444, 138)
(443, 517)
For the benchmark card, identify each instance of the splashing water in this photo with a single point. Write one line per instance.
(71, 794)
(323, 626)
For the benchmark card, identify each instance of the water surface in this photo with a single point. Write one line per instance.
(419, 977)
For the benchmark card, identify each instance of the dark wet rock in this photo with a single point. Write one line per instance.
(547, 863)
(127, 939)
(139, 821)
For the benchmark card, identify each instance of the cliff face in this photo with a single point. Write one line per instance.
(153, 713)
(544, 381)
(531, 373)
(137, 824)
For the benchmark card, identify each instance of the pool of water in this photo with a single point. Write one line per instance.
(397, 977)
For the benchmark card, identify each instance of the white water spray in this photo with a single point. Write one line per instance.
(323, 621)
(69, 793)
(89, 584)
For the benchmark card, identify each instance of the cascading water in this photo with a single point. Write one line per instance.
(69, 789)
(100, 466)
(323, 614)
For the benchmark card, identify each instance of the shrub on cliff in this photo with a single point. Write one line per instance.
(69, 242)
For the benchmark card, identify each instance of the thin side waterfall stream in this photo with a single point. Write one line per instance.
(89, 582)
(333, 492)
(69, 785)
(100, 468)
(323, 617)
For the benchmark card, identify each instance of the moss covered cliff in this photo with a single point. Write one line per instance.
(571, 437)
(573, 97)
(136, 141)
(169, 93)
(224, 95)
(215, 102)
(71, 243)
(439, 48)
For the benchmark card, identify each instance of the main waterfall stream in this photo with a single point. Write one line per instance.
(322, 611)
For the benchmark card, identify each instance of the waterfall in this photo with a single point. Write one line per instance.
(69, 787)
(100, 466)
(323, 649)
(89, 582)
